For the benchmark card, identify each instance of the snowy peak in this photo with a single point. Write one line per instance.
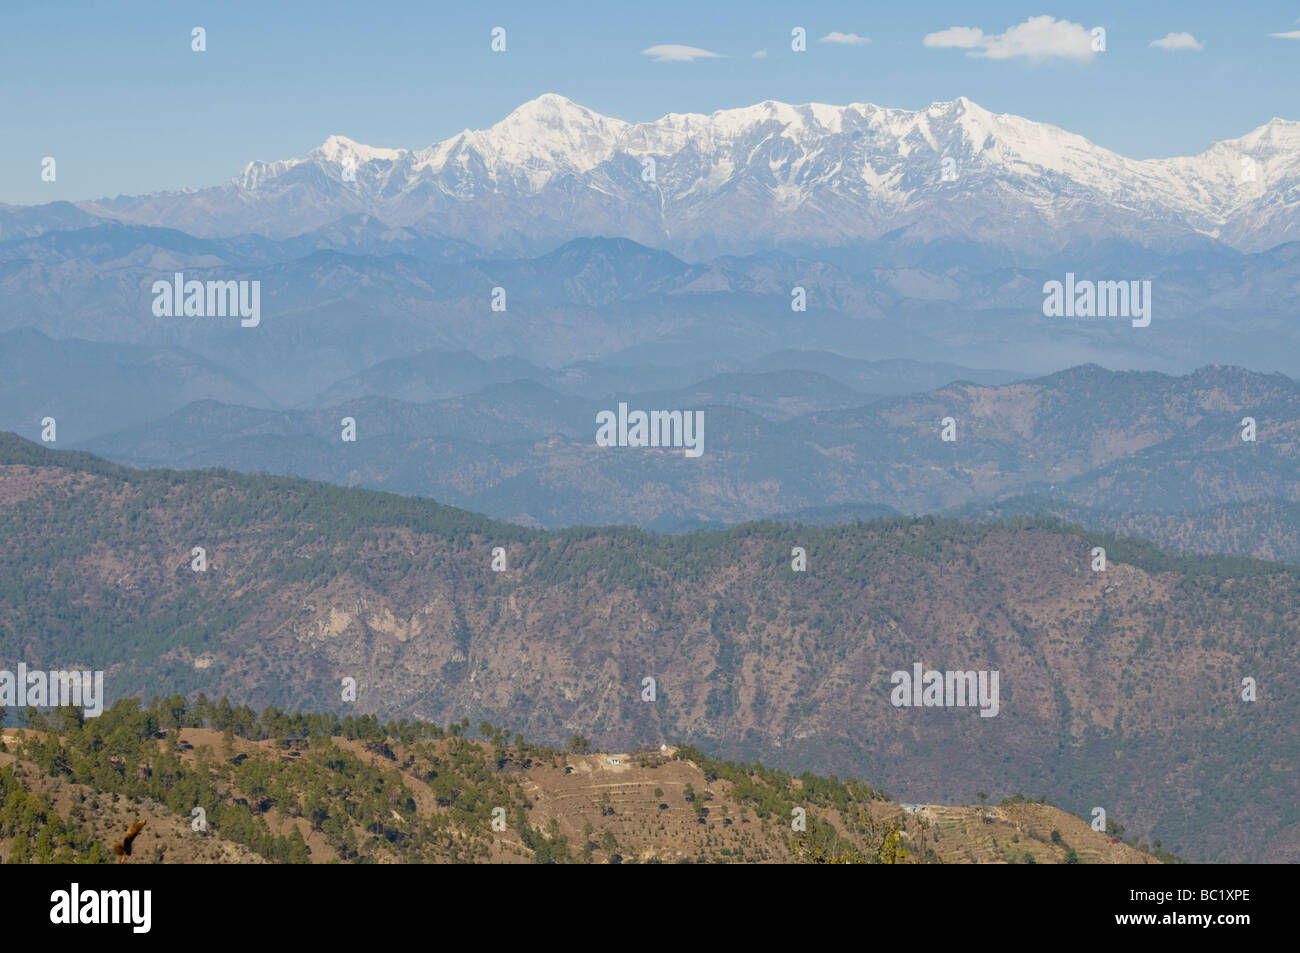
(338, 158)
(551, 110)
(553, 133)
(1275, 136)
(552, 129)
(341, 148)
(758, 175)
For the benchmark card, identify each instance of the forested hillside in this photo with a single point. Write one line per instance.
(216, 783)
(1121, 689)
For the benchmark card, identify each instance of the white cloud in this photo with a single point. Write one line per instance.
(1293, 35)
(1177, 41)
(962, 37)
(1038, 38)
(759, 54)
(676, 53)
(845, 39)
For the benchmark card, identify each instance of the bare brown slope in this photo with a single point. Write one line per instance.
(645, 807)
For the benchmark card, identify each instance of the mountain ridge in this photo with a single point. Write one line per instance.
(830, 174)
(1119, 688)
(1135, 442)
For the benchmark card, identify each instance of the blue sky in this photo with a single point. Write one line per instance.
(115, 94)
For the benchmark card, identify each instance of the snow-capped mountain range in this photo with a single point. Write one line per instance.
(761, 176)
